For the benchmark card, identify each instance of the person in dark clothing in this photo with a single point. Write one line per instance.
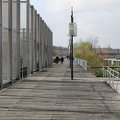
(57, 59)
(62, 59)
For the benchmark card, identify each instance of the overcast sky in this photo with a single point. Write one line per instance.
(94, 18)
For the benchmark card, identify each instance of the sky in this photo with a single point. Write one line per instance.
(95, 19)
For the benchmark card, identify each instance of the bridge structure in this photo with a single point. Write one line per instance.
(25, 41)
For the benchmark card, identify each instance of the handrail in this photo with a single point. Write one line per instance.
(82, 63)
(111, 77)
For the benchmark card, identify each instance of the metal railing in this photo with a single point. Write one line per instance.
(82, 63)
(112, 78)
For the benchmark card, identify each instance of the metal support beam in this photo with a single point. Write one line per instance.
(51, 48)
(1, 80)
(35, 46)
(44, 54)
(10, 39)
(37, 43)
(40, 42)
(32, 42)
(46, 45)
(27, 27)
(18, 38)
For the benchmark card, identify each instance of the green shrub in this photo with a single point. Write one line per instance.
(98, 73)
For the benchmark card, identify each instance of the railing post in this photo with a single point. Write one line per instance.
(117, 81)
(103, 72)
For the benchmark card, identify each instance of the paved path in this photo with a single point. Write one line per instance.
(52, 95)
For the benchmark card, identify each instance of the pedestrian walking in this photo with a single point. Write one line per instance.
(62, 59)
(57, 59)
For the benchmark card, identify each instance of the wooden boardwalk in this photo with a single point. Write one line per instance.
(52, 95)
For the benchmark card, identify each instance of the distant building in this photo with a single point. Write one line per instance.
(108, 52)
(60, 51)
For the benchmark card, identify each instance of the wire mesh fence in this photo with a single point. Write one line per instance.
(26, 41)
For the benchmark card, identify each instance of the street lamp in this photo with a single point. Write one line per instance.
(72, 33)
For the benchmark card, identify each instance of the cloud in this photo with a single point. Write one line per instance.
(97, 18)
(103, 24)
(82, 5)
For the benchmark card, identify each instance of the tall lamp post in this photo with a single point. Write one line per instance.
(71, 57)
(72, 33)
(69, 51)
